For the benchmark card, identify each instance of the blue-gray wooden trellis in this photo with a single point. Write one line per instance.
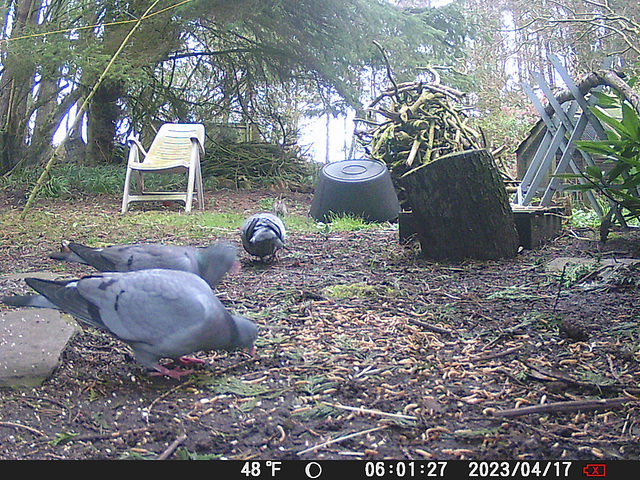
(562, 130)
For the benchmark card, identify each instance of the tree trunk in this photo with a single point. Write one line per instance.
(16, 80)
(461, 208)
(102, 117)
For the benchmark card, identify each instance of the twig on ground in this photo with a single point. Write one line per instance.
(371, 411)
(564, 407)
(340, 439)
(172, 448)
(560, 376)
(428, 326)
(24, 427)
(489, 356)
(105, 436)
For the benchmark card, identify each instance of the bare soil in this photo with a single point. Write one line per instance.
(366, 351)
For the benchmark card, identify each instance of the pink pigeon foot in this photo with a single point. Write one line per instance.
(175, 373)
(189, 361)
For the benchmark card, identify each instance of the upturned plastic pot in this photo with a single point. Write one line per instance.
(359, 187)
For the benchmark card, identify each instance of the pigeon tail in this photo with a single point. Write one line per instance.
(65, 296)
(36, 301)
(92, 256)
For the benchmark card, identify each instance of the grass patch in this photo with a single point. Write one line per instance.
(345, 223)
(512, 294)
(66, 179)
(353, 290)
(234, 386)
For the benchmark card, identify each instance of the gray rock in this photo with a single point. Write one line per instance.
(31, 342)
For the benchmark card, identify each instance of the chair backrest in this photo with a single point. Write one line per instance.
(172, 145)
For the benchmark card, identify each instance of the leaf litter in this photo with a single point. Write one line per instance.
(366, 351)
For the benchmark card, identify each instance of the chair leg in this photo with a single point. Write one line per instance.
(190, 185)
(199, 186)
(125, 194)
(139, 182)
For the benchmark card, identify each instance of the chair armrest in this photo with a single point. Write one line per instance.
(134, 144)
(197, 141)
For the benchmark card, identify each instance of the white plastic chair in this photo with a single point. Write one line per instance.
(175, 149)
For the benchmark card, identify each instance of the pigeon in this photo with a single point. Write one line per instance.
(36, 301)
(159, 313)
(210, 263)
(263, 234)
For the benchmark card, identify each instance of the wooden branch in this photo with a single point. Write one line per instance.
(594, 79)
(562, 377)
(172, 448)
(24, 427)
(389, 74)
(565, 407)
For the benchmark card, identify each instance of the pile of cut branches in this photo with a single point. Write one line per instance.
(256, 164)
(420, 123)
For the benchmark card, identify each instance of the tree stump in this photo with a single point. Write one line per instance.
(462, 208)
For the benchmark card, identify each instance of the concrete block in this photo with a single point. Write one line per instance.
(31, 342)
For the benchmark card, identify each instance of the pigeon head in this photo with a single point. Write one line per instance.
(247, 333)
(217, 260)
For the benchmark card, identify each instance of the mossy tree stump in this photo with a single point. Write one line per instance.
(461, 208)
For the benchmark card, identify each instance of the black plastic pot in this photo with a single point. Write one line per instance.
(359, 187)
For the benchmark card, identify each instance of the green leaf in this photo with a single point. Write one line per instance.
(605, 100)
(579, 187)
(631, 183)
(616, 171)
(594, 172)
(630, 119)
(600, 147)
(604, 117)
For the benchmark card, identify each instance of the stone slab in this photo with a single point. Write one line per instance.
(31, 343)
(557, 264)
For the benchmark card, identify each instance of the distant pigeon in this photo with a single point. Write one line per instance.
(279, 207)
(159, 313)
(263, 234)
(210, 263)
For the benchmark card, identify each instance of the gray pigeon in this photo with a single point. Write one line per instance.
(210, 263)
(160, 313)
(263, 234)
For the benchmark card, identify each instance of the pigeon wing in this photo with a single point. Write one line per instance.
(262, 234)
(161, 313)
(65, 296)
(128, 258)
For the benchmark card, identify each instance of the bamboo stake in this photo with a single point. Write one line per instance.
(341, 439)
(372, 411)
(82, 108)
(414, 151)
